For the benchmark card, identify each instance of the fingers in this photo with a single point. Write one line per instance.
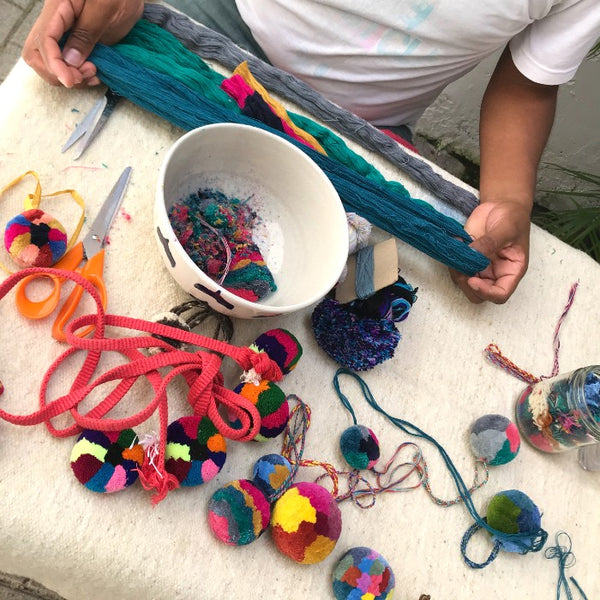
(87, 21)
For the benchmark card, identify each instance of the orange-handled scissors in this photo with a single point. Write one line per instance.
(90, 252)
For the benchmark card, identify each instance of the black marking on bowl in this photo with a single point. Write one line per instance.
(165, 242)
(216, 295)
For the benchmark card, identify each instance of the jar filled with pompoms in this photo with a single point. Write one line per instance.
(563, 412)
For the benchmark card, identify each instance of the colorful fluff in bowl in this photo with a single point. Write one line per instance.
(247, 222)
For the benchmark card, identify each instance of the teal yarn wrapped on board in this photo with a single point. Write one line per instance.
(415, 222)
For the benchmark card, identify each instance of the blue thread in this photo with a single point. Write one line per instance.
(365, 271)
(527, 541)
(463, 548)
(566, 559)
(416, 223)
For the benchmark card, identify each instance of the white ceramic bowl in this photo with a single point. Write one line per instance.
(305, 232)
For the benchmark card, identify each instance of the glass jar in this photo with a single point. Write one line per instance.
(562, 412)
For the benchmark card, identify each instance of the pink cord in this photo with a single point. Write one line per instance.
(200, 369)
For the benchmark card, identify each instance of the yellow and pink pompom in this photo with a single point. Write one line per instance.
(107, 461)
(195, 450)
(306, 523)
(35, 239)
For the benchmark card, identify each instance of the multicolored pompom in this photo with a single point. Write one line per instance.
(270, 473)
(281, 346)
(195, 450)
(107, 461)
(362, 573)
(239, 513)
(360, 447)
(272, 406)
(306, 523)
(512, 511)
(495, 439)
(358, 343)
(35, 239)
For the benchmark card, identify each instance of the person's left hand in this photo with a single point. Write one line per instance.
(500, 230)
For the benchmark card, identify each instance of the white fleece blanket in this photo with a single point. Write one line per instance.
(88, 546)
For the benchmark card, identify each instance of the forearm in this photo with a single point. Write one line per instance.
(516, 120)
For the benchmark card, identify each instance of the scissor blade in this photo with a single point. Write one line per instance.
(86, 123)
(110, 101)
(96, 237)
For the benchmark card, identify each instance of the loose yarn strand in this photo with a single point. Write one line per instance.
(523, 540)
(493, 353)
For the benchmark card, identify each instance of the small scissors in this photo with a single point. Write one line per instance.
(90, 251)
(92, 123)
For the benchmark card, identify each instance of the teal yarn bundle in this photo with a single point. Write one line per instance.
(415, 222)
(212, 45)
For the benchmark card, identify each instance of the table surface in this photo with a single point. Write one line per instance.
(92, 546)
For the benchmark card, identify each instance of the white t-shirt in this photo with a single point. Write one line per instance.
(387, 60)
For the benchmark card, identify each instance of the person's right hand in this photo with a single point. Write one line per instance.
(88, 22)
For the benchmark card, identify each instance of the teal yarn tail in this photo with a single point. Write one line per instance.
(526, 541)
(566, 559)
(427, 230)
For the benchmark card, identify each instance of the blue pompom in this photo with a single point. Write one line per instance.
(358, 343)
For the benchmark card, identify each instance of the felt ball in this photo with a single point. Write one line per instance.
(512, 511)
(239, 512)
(495, 439)
(35, 239)
(281, 346)
(107, 461)
(306, 523)
(360, 447)
(358, 343)
(270, 472)
(363, 573)
(272, 406)
(195, 450)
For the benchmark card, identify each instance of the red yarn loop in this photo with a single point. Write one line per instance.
(200, 369)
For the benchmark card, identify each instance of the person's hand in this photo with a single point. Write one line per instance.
(500, 230)
(88, 22)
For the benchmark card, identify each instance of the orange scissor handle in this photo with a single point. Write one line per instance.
(42, 308)
(92, 271)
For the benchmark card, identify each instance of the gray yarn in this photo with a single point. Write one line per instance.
(209, 44)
